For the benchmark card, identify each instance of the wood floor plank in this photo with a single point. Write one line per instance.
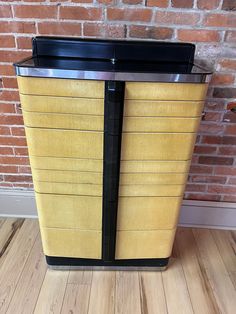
(216, 271)
(175, 287)
(30, 282)
(152, 293)
(102, 293)
(80, 277)
(226, 243)
(52, 292)
(14, 262)
(127, 298)
(200, 291)
(2, 220)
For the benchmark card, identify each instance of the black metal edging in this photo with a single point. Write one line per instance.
(113, 119)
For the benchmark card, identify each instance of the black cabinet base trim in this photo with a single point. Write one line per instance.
(70, 261)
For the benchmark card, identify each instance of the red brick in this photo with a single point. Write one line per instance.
(132, 2)
(231, 171)
(222, 79)
(212, 116)
(198, 35)
(13, 141)
(35, 11)
(6, 185)
(229, 5)
(60, 28)
(10, 95)
(7, 41)
(232, 181)
(24, 169)
(227, 150)
(224, 92)
(127, 14)
(214, 160)
(82, 1)
(23, 185)
(158, 3)
(4, 130)
(220, 20)
(230, 36)
(229, 198)
(141, 31)
(182, 3)
(201, 149)
(13, 56)
(211, 128)
(11, 160)
(215, 105)
(211, 139)
(9, 82)
(230, 129)
(17, 178)
(24, 42)
(202, 197)
(229, 117)
(221, 189)
(21, 151)
(228, 64)
(6, 150)
(11, 120)
(107, 1)
(208, 5)
(104, 30)
(18, 131)
(17, 27)
(177, 18)
(201, 169)
(7, 69)
(5, 11)
(209, 179)
(195, 187)
(8, 169)
(80, 13)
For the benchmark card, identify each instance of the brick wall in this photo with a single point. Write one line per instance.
(211, 24)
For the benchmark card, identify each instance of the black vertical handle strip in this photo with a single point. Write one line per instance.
(113, 119)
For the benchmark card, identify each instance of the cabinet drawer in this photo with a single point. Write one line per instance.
(162, 108)
(73, 164)
(157, 146)
(148, 213)
(133, 166)
(63, 121)
(71, 243)
(37, 103)
(68, 188)
(165, 91)
(67, 176)
(144, 244)
(60, 87)
(151, 190)
(160, 124)
(153, 178)
(64, 143)
(64, 211)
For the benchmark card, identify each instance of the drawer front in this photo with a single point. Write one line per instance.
(165, 91)
(63, 121)
(64, 143)
(160, 124)
(162, 108)
(144, 244)
(60, 87)
(131, 166)
(73, 164)
(157, 146)
(69, 212)
(151, 190)
(68, 188)
(67, 176)
(148, 213)
(71, 105)
(153, 178)
(71, 243)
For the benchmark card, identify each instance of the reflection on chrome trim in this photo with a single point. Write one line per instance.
(114, 76)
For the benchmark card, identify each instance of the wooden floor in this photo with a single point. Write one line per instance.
(201, 278)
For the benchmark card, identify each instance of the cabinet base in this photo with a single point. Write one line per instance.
(96, 264)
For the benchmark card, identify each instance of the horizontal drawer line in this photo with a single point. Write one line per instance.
(62, 129)
(63, 113)
(62, 96)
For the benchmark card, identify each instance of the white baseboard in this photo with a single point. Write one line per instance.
(218, 215)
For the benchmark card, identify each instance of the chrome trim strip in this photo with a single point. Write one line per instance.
(114, 76)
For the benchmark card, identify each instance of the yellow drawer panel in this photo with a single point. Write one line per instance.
(144, 244)
(160, 124)
(131, 166)
(67, 176)
(153, 178)
(64, 211)
(37, 103)
(152, 108)
(63, 121)
(148, 213)
(165, 91)
(71, 243)
(73, 164)
(151, 190)
(64, 143)
(154, 146)
(60, 87)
